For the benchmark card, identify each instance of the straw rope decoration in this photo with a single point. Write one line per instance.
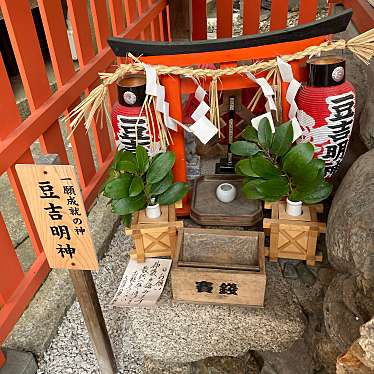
(361, 46)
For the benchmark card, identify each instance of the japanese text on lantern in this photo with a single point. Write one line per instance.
(56, 205)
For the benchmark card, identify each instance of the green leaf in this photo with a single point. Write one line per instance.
(264, 168)
(174, 193)
(244, 148)
(297, 157)
(160, 167)
(250, 191)
(119, 187)
(126, 220)
(127, 166)
(250, 134)
(282, 139)
(310, 173)
(265, 135)
(136, 186)
(161, 186)
(142, 159)
(129, 205)
(274, 189)
(244, 167)
(314, 195)
(116, 158)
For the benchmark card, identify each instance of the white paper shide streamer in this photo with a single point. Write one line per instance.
(286, 73)
(202, 128)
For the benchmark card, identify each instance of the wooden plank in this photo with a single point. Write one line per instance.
(101, 22)
(117, 15)
(26, 158)
(261, 252)
(82, 152)
(274, 232)
(9, 114)
(11, 273)
(83, 42)
(60, 50)
(251, 16)
(147, 34)
(130, 11)
(307, 11)
(250, 286)
(278, 15)
(56, 205)
(180, 26)
(199, 20)
(22, 33)
(363, 14)
(101, 133)
(12, 311)
(90, 306)
(156, 24)
(163, 30)
(311, 246)
(55, 30)
(78, 13)
(224, 18)
(139, 246)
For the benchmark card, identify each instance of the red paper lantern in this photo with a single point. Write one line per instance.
(130, 123)
(326, 110)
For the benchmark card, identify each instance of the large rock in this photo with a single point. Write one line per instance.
(366, 343)
(350, 234)
(179, 332)
(366, 120)
(342, 323)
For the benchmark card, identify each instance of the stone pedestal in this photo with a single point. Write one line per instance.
(178, 332)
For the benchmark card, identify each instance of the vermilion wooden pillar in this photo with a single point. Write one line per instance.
(174, 97)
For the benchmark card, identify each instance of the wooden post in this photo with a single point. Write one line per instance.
(180, 19)
(86, 293)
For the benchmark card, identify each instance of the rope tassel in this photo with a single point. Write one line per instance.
(362, 46)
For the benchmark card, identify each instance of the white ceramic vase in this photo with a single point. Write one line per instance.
(226, 192)
(294, 208)
(153, 211)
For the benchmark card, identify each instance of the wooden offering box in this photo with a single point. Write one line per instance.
(219, 267)
(154, 237)
(293, 237)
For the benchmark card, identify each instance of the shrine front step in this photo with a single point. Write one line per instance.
(181, 332)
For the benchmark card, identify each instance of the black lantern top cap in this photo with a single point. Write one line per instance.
(326, 71)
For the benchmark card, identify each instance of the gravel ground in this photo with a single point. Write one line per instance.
(71, 350)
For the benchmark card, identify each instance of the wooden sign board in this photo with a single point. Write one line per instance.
(56, 205)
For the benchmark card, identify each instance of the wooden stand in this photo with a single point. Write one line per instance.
(293, 237)
(154, 237)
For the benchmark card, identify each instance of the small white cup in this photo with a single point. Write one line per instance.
(153, 211)
(294, 208)
(226, 192)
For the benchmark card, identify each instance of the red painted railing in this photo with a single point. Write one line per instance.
(144, 19)
(251, 16)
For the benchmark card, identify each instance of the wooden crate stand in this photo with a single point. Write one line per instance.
(293, 237)
(154, 237)
(219, 267)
